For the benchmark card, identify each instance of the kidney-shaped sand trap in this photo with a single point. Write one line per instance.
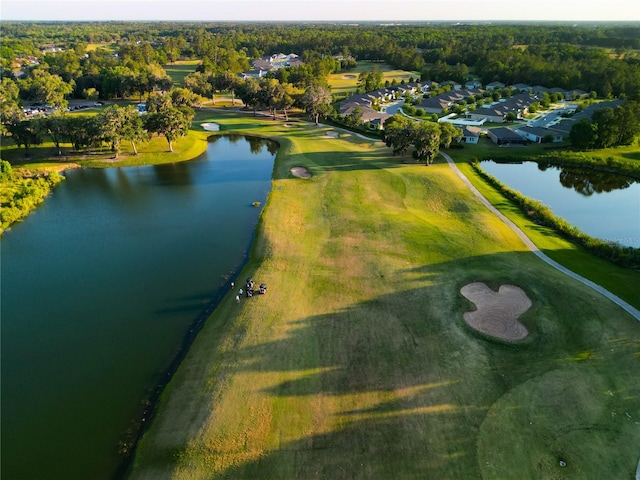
(300, 172)
(497, 313)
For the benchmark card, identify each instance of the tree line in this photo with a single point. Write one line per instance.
(592, 57)
(112, 126)
(608, 127)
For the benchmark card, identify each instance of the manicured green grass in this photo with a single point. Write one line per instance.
(346, 82)
(180, 69)
(357, 362)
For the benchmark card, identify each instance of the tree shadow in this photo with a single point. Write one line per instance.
(398, 386)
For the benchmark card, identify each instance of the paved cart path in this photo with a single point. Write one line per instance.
(615, 299)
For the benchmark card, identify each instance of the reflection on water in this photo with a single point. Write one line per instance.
(588, 181)
(99, 288)
(601, 204)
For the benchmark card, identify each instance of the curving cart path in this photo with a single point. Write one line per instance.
(615, 299)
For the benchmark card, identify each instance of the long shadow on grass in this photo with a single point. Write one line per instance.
(342, 161)
(400, 385)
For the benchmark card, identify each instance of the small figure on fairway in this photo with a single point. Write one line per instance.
(237, 298)
(240, 291)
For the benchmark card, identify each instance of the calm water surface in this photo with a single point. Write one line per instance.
(600, 204)
(99, 288)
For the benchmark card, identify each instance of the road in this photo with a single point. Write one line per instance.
(615, 299)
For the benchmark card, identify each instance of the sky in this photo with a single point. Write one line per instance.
(321, 10)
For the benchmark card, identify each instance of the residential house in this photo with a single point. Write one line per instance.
(497, 112)
(576, 94)
(505, 137)
(446, 100)
(470, 134)
(565, 124)
(262, 66)
(471, 84)
(452, 84)
(537, 134)
(494, 85)
(521, 87)
(539, 89)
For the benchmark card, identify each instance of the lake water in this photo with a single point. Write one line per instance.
(600, 204)
(100, 286)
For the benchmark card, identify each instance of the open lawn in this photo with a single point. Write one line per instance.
(358, 364)
(180, 69)
(346, 82)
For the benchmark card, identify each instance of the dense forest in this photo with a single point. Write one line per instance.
(604, 58)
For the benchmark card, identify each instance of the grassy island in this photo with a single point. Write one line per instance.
(358, 362)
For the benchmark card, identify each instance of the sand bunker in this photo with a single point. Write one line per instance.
(332, 134)
(212, 127)
(497, 313)
(300, 172)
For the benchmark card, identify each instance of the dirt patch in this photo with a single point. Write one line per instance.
(332, 134)
(497, 313)
(300, 172)
(349, 77)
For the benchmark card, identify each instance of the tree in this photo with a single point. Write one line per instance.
(83, 131)
(449, 133)
(398, 133)
(183, 96)
(200, 84)
(249, 92)
(583, 134)
(120, 123)
(10, 110)
(426, 139)
(26, 133)
(132, 127)
(170, 122)
(56, 125)
(46, 88)
(316, 101)
(271, 94)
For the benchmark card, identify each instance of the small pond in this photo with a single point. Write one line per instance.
(602, 205)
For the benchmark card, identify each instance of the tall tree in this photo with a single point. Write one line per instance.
(56, 126)
(426, 140)
(448, 134)
(120, 123)
(10, 109)
(171, 123)
(316, 101)
(26, 133)
(397, 133)
(41, 86)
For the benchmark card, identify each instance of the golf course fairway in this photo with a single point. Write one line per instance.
(358, 363)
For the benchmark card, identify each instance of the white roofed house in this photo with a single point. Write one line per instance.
(262, 66)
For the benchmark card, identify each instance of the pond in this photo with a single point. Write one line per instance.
(602, 205)
(100, 287)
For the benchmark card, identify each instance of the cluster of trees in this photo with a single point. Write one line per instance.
(20, 194)
(608, 127)
(402, 133)
(168, 116)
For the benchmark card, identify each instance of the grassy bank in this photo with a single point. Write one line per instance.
(358, 364)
